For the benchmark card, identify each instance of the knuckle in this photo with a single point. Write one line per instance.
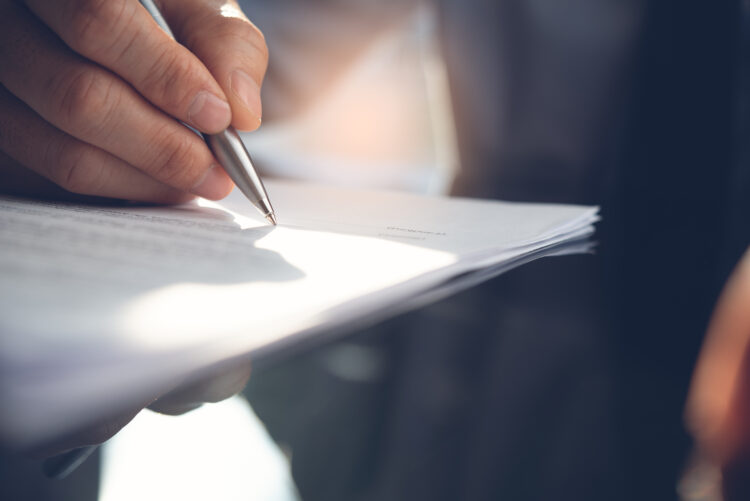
(94, 22)
(85, 101)
(262, 50)
(260, 44)
(175, 160)
(76, 172)
(229, 32)
(171, 71)
(245, 31)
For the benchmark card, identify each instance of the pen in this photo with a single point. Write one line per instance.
(228, 149)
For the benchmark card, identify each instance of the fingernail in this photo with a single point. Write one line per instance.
(215, 184)
(248, 91)
(208, 113)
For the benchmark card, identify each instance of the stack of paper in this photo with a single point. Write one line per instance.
(102, 305)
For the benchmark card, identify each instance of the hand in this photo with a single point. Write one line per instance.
(718, 411)
(91, 90)
(220, 384)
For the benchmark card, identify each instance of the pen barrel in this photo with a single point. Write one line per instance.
(229, 150)
(152, 9)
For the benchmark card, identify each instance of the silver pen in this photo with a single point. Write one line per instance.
(228, 149)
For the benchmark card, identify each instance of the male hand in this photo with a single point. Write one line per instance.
(92, 91)
(718, 411)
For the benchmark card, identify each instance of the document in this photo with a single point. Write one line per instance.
(100, 303)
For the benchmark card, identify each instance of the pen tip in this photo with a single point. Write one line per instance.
(271, 218)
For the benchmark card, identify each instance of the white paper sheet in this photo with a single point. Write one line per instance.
(99, 305)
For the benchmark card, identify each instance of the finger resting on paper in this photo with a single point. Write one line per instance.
(17, 180)
(70, 163)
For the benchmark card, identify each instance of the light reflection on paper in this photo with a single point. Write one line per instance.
(334, 268)
(243, 222)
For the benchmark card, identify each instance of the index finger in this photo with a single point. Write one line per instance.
(121, 36)
(232, 48)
